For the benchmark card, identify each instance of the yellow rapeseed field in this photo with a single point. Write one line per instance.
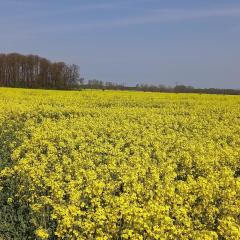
(119, 165)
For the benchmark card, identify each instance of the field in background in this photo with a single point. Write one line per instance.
(119, 165)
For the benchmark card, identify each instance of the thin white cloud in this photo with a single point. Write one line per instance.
(158, 16)
(181, 14)
(155, 16)
(175, 15)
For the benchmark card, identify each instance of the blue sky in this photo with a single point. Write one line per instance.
(190, 42)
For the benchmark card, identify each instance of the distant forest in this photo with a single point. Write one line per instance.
(96, 84)
(32, 71)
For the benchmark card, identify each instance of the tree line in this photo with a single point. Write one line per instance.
(33, 71)
(97, 84)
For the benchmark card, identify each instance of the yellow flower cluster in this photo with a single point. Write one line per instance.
(119, 165)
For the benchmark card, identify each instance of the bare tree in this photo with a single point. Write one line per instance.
(32, 71)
